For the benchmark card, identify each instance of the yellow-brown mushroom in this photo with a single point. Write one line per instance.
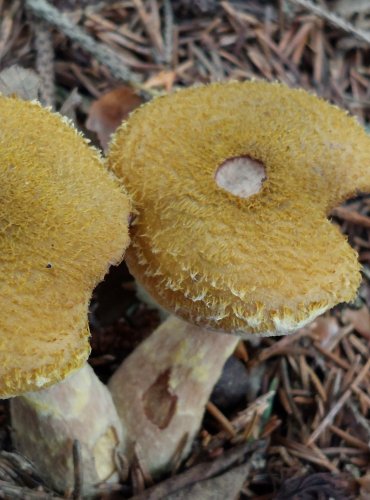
(63, 221)
(232, 184)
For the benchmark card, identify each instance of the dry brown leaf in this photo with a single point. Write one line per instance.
(110, 110)
(164, 79)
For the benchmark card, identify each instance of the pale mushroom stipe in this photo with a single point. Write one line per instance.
(232, 184)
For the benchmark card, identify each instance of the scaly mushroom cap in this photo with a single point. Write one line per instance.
(266, 263)
(63, 221)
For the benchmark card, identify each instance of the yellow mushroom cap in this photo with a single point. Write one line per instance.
(63, 221)
(267, 263)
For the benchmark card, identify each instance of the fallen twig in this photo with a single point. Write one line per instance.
(333, 19)
(351, 216)
(338, 405)
(45, 62)
(104, 54)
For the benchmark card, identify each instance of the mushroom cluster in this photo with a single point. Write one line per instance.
(63, 222)
(231, 187)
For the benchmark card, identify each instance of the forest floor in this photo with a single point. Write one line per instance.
(305, 405)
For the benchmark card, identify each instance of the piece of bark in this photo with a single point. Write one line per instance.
(249, 453)
(161, 389)
(22, 82)
(226, 486)
(47, 423)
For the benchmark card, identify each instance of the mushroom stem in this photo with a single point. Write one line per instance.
(48, 422)
(161, 389)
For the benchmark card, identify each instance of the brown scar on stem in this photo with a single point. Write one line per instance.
(158, 401)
